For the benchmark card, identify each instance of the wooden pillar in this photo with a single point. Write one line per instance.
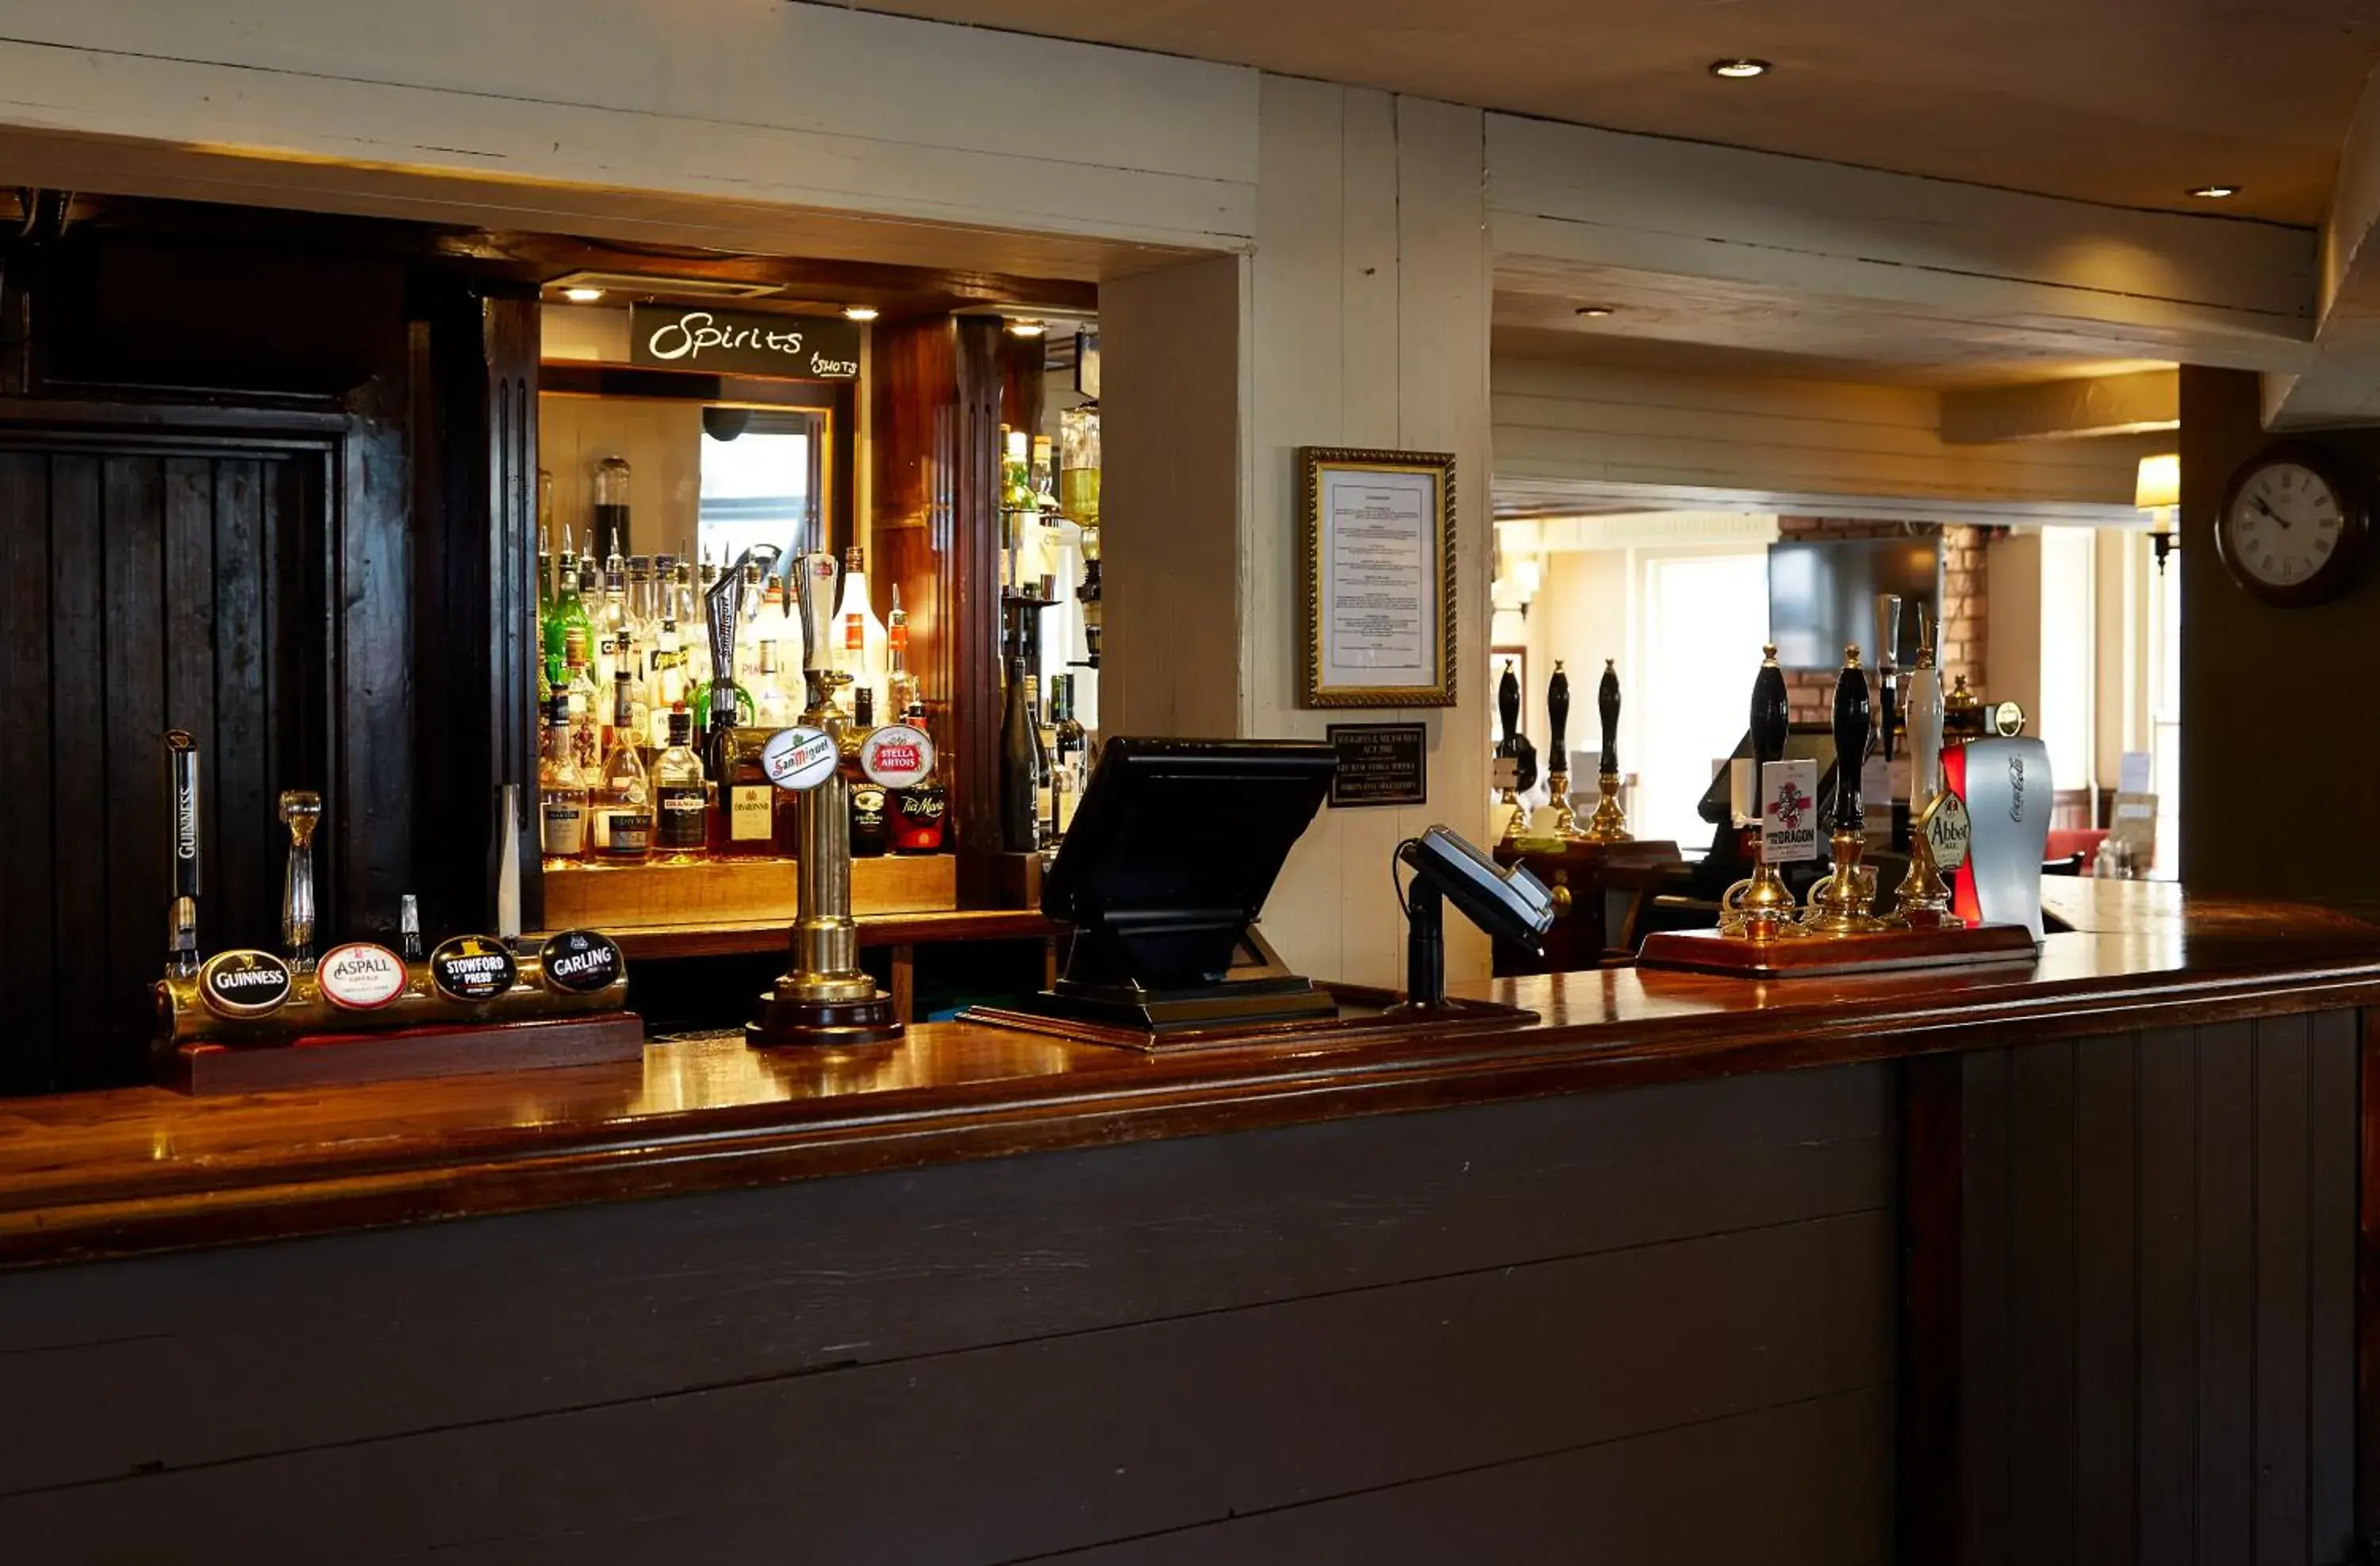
(934, 442)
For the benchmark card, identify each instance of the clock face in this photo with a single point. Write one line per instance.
(2285, 526)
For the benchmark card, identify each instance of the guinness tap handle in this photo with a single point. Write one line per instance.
(1607, 703)
(182, 920)
(1508, 704)
(1850, 741)
(1772, 711)
(1558, 715)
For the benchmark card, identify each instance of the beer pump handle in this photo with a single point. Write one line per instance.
(1771, 711)
(1508, 704)
(1852, 728)
(1557, 715)
(182, 919)
(1607, 703)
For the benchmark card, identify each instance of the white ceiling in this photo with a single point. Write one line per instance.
(2129, 101)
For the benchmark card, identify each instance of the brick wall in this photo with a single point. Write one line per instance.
(1957, 641)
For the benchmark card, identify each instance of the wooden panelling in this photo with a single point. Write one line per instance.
(1780, 439)
(2157, 1317)
(935, 450)
(1671, 1290)
(1797, 1483)
(136, 605)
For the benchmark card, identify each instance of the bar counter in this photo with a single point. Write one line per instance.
(104, 1174)
(2003, 1266)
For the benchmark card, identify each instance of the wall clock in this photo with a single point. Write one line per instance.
(2294, 524)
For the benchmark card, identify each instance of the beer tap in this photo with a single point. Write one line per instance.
(1565, 816)
(182, 919)
(1610, 823)
(1761, 907)
(824, 997)
(302, 812)
(1888, 662)
(1840, 904)
(1518, 767)
(1921, 901)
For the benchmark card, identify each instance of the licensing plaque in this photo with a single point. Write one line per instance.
(1380, 764)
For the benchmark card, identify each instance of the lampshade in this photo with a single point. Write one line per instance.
(2159, 484)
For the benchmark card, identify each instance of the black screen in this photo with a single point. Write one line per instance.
(1186, 830)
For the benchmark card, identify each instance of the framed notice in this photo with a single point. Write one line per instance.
(1375, 566)
(1379, 764)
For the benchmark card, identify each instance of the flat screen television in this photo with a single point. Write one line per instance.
(1822, 595)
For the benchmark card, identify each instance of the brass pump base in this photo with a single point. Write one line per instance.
(1921, 901)
(1840, 904)
(1760, 909)
(1609, 825)
(794, 1022)
(1562, 817)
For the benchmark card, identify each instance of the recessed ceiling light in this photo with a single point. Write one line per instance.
(582, 295)
(1595, 312)
(859, 312)
(2215, 192)
(1027, 328)
(1739, 70)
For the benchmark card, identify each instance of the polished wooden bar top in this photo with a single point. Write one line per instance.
(92, 1175)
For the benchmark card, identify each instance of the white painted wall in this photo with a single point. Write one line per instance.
(680, 118)
(1369, 311)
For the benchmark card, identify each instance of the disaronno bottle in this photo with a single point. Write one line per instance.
(680, 799)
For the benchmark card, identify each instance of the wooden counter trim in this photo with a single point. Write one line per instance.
(71, 1188)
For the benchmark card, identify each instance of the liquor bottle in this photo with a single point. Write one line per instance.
(1049, 540)
(694, 669)
(562, 788)
(743, 814)
(871, 823)
(578, 694)
(1020, 521)
(1088, 595)
(1078, 475)
(776, 703)
(622, 806)
(665, 689)
(681, 801)
(1066, 782)
(859, 636)
(918, 812)
(409, 925)
(610, 507)
(1020, 765)
(900, 684)
(569, 610)
(1045, 800)
(611, 615)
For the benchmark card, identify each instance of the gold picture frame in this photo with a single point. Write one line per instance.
(1376, 610)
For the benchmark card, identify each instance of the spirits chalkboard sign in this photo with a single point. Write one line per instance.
(1380, 764)
(742, 342)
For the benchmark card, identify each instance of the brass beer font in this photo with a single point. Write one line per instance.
(1762, 908)
(1562, 818)
(1840, 904)
(1609, 825)
(1518, 775)
(824, 997)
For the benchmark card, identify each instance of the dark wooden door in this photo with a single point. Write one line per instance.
(144, 589)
